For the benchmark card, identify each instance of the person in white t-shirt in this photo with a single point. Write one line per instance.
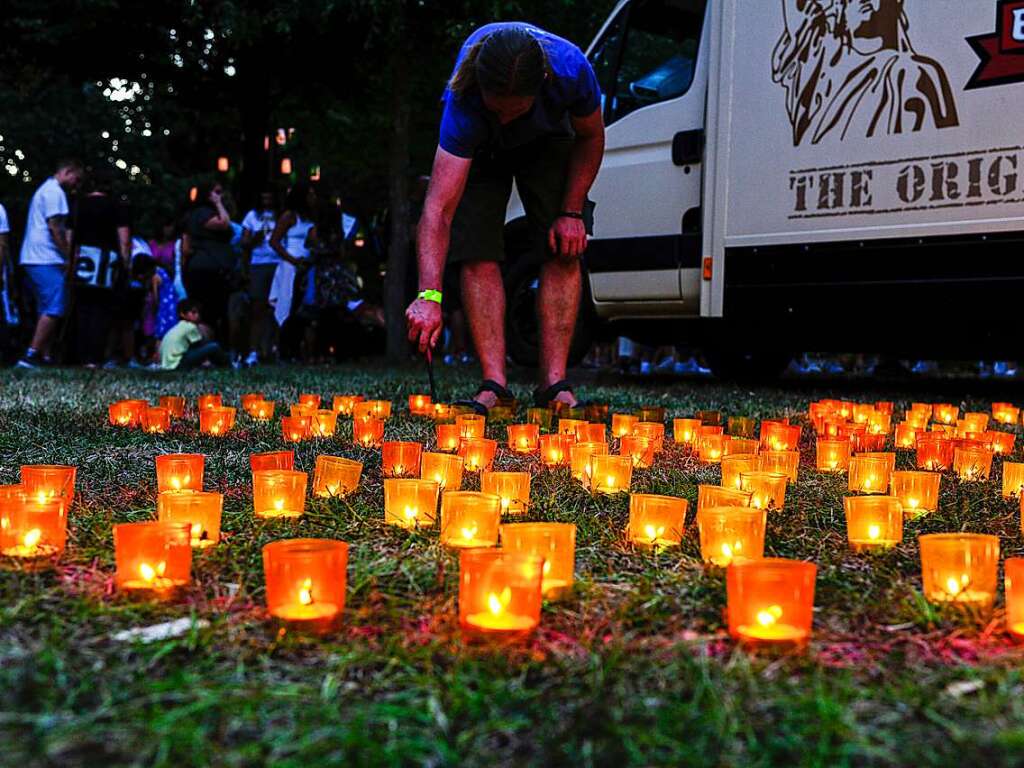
(262, 259)
(45, 255)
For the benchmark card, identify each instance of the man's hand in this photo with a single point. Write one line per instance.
(567, 238)
(424, 321)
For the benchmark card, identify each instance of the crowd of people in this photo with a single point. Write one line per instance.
(211, 287)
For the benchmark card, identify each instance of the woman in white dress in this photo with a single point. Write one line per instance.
(293, 235)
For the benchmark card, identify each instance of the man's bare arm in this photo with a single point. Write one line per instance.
(124, 243)
(585, 160)
(447, 183)
(61, 235)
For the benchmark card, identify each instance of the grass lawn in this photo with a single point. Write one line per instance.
(635, 668)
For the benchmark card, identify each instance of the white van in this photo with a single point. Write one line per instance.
(787, 175)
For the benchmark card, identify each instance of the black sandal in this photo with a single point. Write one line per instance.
(542, 398)
(487, 385)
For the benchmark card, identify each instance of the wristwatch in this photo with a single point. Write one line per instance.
(430, 295)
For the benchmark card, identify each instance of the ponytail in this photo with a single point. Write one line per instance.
(507, 62)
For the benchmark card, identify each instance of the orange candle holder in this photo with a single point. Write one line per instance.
(651, 413)
(278, 493)
(1014, 583)
(656, 521)
(272, 460)
(555, 450)
(740, 445)
(401, 459)
(33, 531)
(124, 413)
(555, 543)
(209, 401)
(470, 519)
(972, 464)
(444, 469)
(313, 401)
(174, 404)
(301, 411)
(770, 600)
(49, 481)
(767, 489)
(153, 559)
(156, 420)
(959, 569)
(513, 488)
(591, 433)
(653, 431)
(420, 405)
(734, 466)
(873, 522)
(477, 453)
(1000, 443)
(542, 417)
(344, 405)
(905, 436)
(323, 423)
(216, 421)
(918, 492)
(731, 534)
(363, 410)
(410, 503)
(869, 474)
(295, 429)
(200, 510)
(944, 413)
(262, 410)
(249, 399)
(711, 448)
(471, 425)
(777, 436)
(334, 476)
(686, 431)
(568, 426)
(742, 426)
(447, 437)
(639, 449)
(499, 592)
(623, 425)
(523, 438)
(917, 419)
(786, 462)
(442, 412)
(1013, 479)
(610, 474)
(180, 472)
(934, 451)
(368, 433)
(975, 421)
(716, 496)
(832, 455)
(306, 581)
(579, 460)
(1005, 413)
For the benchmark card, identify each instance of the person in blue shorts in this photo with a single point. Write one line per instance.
(522, 105)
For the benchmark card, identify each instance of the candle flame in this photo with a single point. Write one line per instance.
(497, 604)
(196, 531)
(506, 503)
(43, 496)
(874, 531)
(306, 592)
(411, 512)
(610, 482)
(769, 615)
(469, 533)
(653, 533)
(398, 469)
(912, 503)
(149, 573)
(953, 586)
(32, 538)
(278, 504)
(727, 551)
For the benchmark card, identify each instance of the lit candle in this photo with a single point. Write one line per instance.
(542, 417)
(156, 421)
(1014, 583)
(50, 481)
(470, 519)
(513, 488)
(555, 543)
(443, 468)
(711, 447)
(555, 450)
(174, 404)
(401, 459)
(686, 431)
(868, 474)
(873, 522)
(447, 437)
(579, 460)
(730, 534)
(934, 451)
(124, 413)
(278, 493)
(499, 592)
(656, 521)
(655, 432)
(311, 401)
(945, 413)
(368, 433)
(470, 425)
(610, 474)
(209, 401)
(639, 449)
(715, 496)
(306, 582)
(477, 453)
(323, 423)
(590, 433)
(767, 489)
(153, 559)
(410, 503)
(262, 410)
(249, 400)
(295, 429)
(301, 410)
(335, 476)
(779, 436)
(770, 600)
(959, 568)
(344, 404)
(420, 405)
(272, 460)
(1000, 443)
(832, 455)
(785, 462)
(1005, 413)
(201, 511)
(442, 412)
(1013, 479)
(180, 472)
(623, 425)
(734, 466)
(33, 531)
(918, 492)
(523, 438)
(972, 464)
(740, 445)
(906, 436)
(381, 409)
(216, 421)
(568, 426)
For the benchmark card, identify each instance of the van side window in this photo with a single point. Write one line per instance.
(648, 54)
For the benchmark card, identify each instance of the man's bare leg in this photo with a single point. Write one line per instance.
(46, 326)
(483, 296)
(558, 303)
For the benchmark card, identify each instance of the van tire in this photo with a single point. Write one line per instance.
(736, 365)
(521, 325)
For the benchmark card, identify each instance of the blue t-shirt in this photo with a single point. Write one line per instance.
(572, 89)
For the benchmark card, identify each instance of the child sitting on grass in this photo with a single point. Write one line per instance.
(188, 344)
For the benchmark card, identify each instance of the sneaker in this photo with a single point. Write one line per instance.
(252, 359)
(27, 363)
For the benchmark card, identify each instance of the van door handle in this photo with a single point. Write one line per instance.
(688, 147)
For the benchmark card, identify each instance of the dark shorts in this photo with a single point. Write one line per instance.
(261, 276)
(540, 170)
